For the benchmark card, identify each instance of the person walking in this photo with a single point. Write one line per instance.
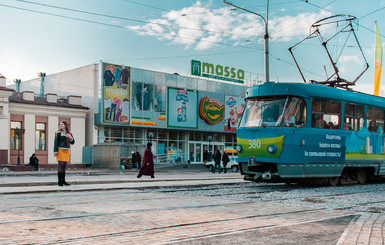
(138, 159)
(133, 159)
(205, 154)
(225, 160)
(217, 159)
(63, 141)
(148, 163)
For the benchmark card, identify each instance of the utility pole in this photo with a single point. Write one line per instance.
(266, 36)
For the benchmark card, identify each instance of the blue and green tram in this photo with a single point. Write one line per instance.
(296, 132)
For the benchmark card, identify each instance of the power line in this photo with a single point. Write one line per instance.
(149, 6)
(133, 20)
(117, 26)
(372, 12)
(358, 24)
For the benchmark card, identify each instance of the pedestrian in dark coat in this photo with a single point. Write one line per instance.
(63, 141)
(134, 159)
(205, 155)
(138, 159)
(217, 159)
(148, 162)
(34, 162)
(225, 160)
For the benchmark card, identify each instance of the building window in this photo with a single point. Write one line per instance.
(14, 137)
(40, 137)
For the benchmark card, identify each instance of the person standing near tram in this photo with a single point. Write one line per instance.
(225, 160)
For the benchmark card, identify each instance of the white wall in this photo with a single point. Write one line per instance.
(5, 122)
(78, 117)
(29, 136)
(81, 82)
(53, 122)
(5, 126)
(78, 127)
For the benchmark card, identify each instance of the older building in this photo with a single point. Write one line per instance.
(30, 121)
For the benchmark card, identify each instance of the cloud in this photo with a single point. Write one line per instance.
(201, 26)
(350, 59)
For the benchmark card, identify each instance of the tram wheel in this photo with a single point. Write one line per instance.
(334, 181)
(362, 176)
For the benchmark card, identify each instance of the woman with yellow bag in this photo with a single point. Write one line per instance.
(63, 141)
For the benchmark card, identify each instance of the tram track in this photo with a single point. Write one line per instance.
(245, 221)
(216, 223)
(238, 195)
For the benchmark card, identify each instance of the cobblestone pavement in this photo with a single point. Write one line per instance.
(120, 209)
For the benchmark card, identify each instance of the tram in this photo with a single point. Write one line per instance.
(296, 132)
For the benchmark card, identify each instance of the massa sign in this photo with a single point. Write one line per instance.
(226, 73)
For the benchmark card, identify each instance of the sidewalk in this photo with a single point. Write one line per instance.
(102, 179)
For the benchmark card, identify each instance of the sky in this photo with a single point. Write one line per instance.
(57, 35)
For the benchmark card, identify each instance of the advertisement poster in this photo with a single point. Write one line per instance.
(182, 108)
(235, 107)
(116, 94)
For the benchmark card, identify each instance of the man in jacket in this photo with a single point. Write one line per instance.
(217, 159)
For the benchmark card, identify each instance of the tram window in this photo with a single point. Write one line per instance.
(274, 112)
(325, 114)
(354, 117)
(375, 120)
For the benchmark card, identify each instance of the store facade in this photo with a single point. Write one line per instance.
(180, 115)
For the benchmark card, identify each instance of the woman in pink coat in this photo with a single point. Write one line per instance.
(148, 163)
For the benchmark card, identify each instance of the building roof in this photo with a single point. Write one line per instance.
(5, 88)
(61, 102)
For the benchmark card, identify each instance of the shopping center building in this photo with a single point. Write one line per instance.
(180, 115)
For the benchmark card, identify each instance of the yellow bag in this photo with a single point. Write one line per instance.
(63, 155)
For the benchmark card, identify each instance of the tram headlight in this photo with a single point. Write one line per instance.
(239, 148)
(272, 149)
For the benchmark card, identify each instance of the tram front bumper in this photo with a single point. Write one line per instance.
(258, 170)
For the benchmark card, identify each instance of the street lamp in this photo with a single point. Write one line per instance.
(17, 81)
(18, 132)
(209, 139)
(266, 36)
(150, 135)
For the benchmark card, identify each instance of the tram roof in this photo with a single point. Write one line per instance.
(314, 91)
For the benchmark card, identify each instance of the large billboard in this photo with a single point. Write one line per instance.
(116, 94)
(235, 107)
(182, 108)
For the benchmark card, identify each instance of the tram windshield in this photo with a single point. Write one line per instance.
(281, 111)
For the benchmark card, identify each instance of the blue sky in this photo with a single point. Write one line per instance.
(57, 35)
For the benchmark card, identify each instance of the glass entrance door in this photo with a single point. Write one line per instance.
(196, 150)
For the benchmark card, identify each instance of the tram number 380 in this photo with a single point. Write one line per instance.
(254, 144)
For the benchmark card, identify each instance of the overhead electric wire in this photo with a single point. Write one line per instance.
(135, 29)
(371, 12)
(366, 28)
(149, 6)
(130, 19)
(117, 26)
